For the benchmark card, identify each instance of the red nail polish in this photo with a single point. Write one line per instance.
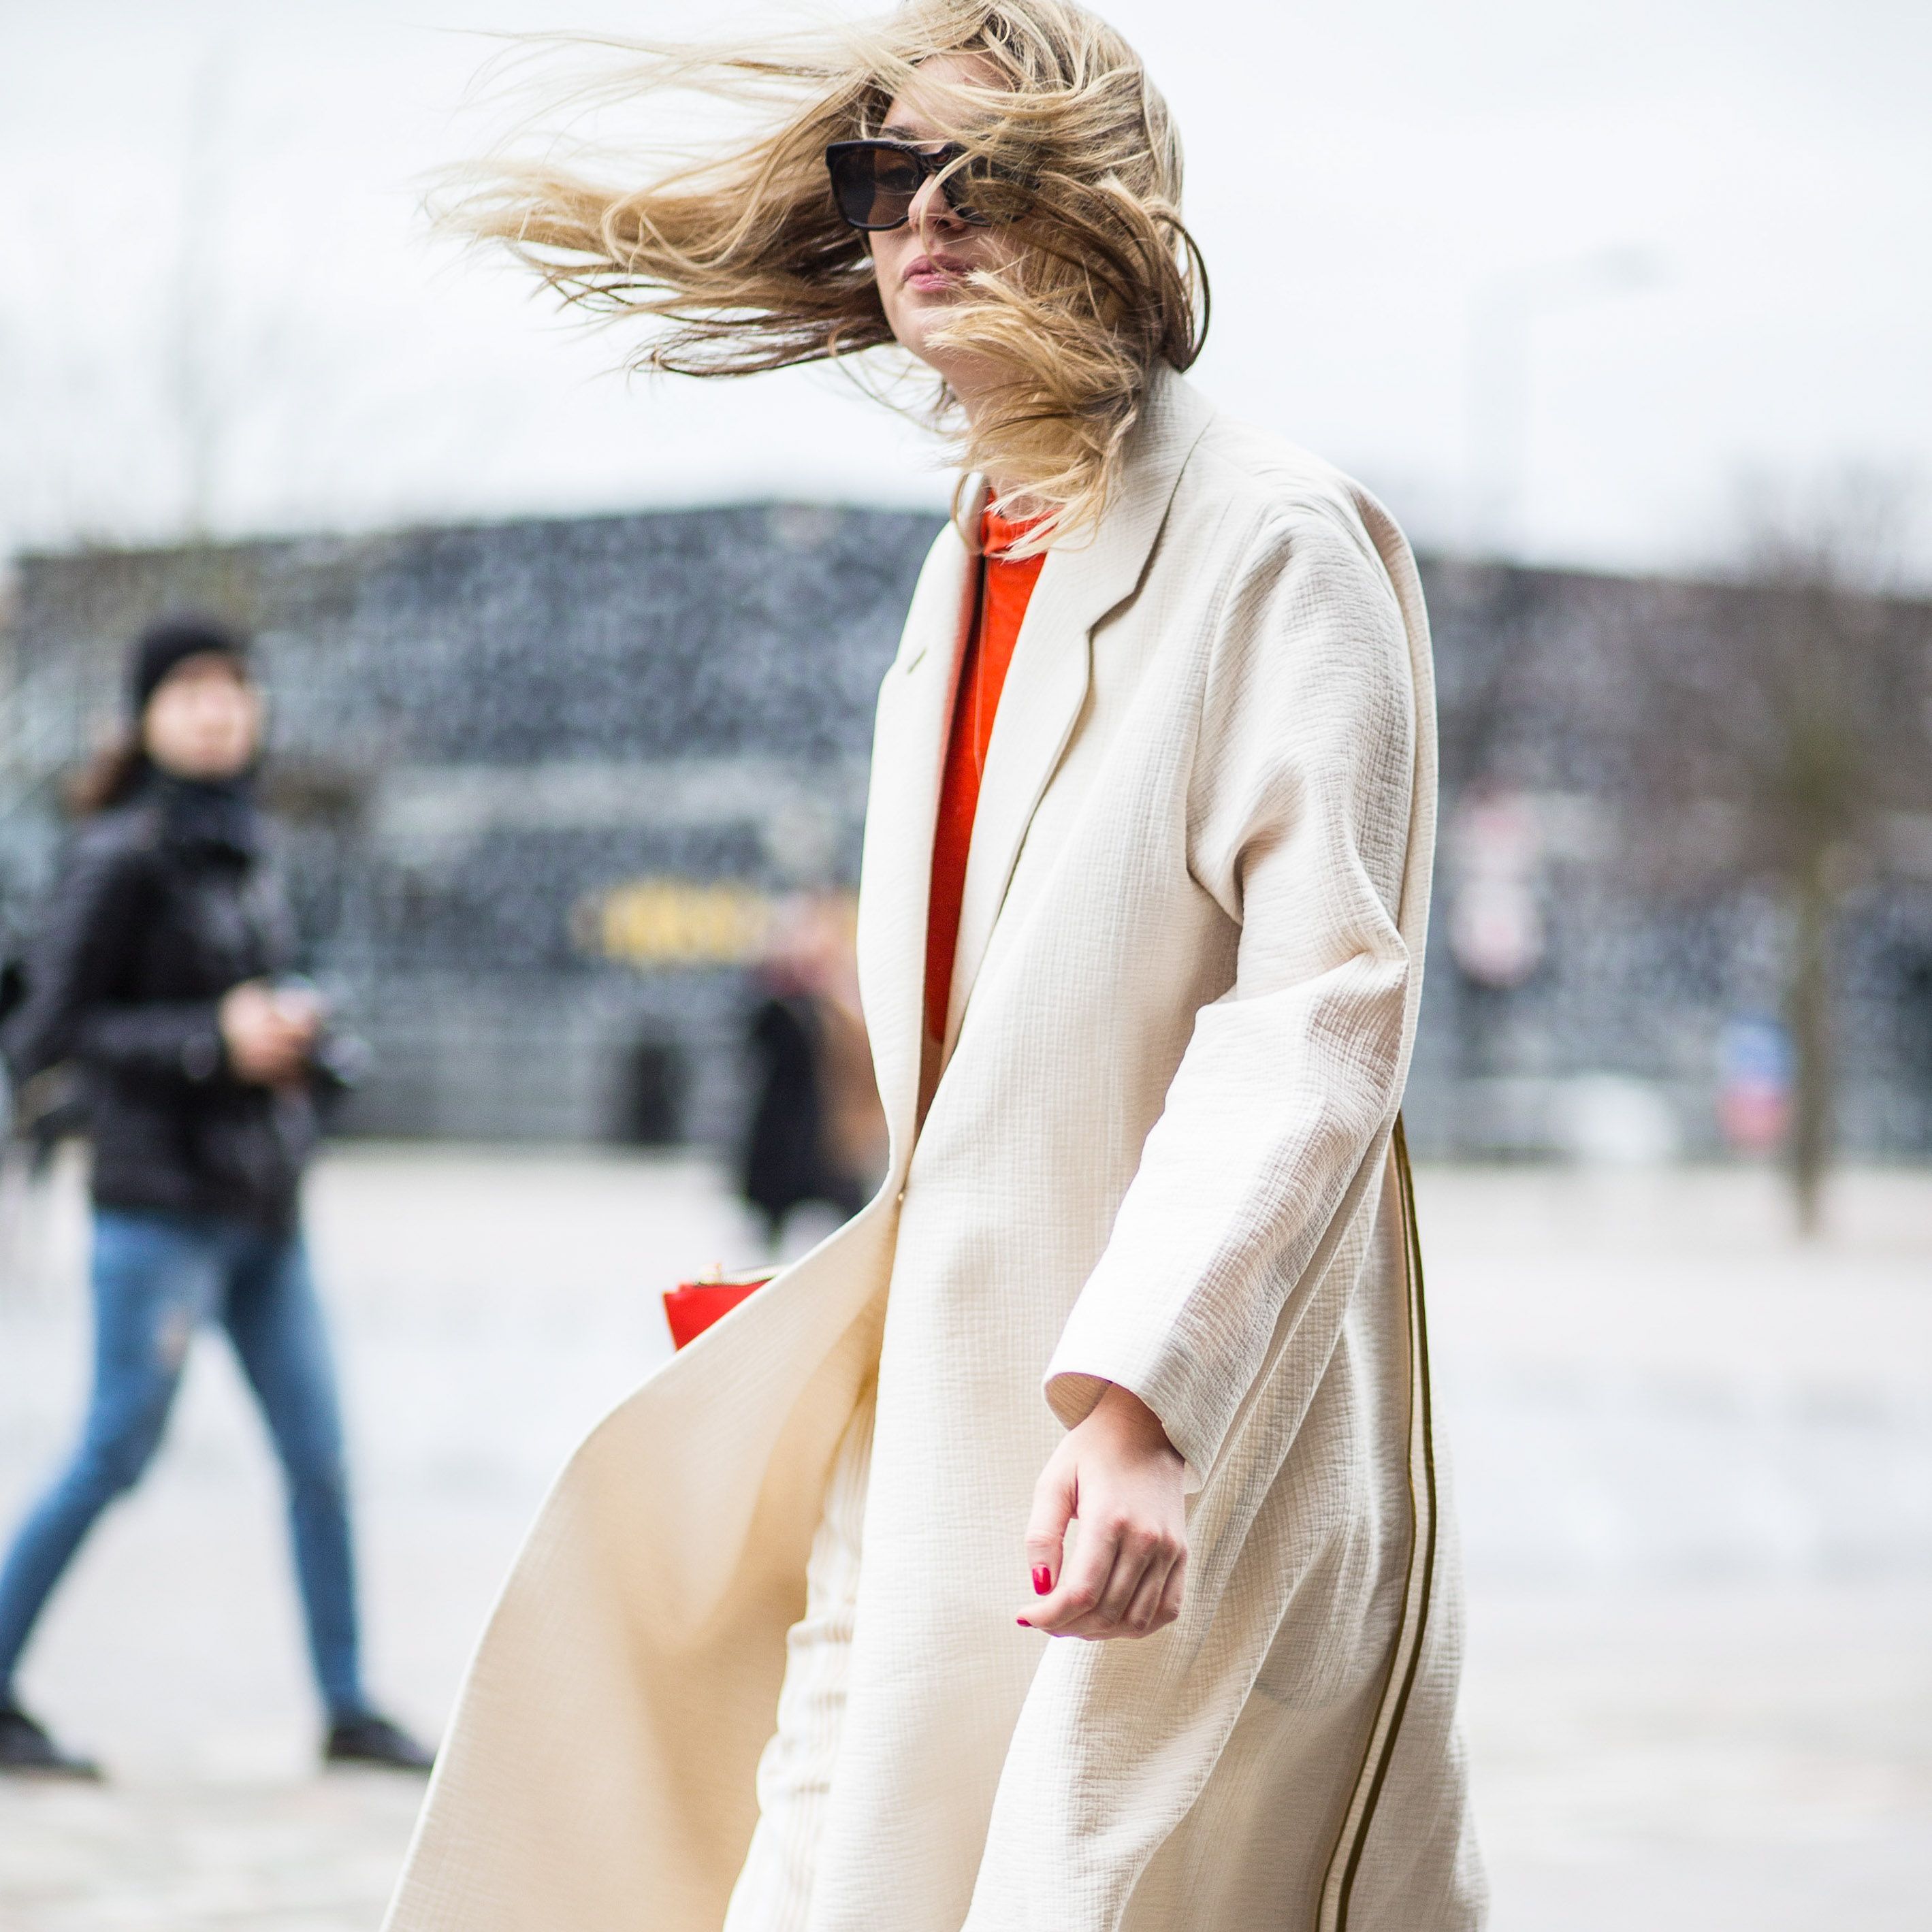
(1043, 1579)
(1023, 1624)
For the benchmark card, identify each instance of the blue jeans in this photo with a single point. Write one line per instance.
(157, 1277)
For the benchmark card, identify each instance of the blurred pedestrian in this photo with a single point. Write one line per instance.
(817, 1135)
(160, 974)
(1136, 1317)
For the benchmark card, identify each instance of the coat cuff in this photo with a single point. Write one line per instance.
(1082, 1369)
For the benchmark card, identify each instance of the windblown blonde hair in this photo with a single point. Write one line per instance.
(739, 257)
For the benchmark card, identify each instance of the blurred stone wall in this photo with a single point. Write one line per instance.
(543, 784)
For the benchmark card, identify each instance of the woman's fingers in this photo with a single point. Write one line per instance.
(1138, 1592)
(1172, 1592)
(1054, 1497)
(1082, 1582)
(1137, 1550)
(1142, 1615)
(1130, 1606)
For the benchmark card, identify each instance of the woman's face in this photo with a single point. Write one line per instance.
(204, 719)
(922, 267)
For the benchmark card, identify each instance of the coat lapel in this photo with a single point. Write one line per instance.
(909, 754)
(1046, 683)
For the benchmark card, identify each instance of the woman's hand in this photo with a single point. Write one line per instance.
(269, 1035)
(1117, 1473)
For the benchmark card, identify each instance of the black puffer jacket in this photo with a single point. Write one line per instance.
(165, 903)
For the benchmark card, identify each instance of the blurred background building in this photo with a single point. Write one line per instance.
(543, 783)
(546, 782)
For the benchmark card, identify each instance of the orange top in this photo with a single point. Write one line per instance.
(1005, 586)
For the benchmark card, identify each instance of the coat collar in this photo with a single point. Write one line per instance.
(1079, 585)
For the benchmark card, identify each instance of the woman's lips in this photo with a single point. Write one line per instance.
(930, 276)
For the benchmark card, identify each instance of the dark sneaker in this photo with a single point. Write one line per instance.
(27, 1751)
(373, 1740)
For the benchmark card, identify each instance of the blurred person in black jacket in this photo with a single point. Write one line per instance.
(816, 1132)
(160, 976)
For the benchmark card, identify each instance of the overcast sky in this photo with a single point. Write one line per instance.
(1686, 241)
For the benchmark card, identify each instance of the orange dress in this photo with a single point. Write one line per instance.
(1005, 586)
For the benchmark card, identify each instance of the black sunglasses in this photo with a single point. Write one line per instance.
(875, 183)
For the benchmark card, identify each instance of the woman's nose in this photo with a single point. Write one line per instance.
(932, 213)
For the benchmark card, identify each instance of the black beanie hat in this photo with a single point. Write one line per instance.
(163, 645)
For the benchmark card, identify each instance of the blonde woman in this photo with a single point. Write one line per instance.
(1061, 1547)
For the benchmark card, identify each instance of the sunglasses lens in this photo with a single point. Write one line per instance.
(875, 186)
(875, 183)
(974, 189)
(955, 187)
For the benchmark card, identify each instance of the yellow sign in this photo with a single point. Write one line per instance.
(673, 923)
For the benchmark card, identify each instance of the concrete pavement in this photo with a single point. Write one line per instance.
(1695, 1469)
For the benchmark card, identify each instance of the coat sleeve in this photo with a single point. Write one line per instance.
(1298, 826)
(77, 1007)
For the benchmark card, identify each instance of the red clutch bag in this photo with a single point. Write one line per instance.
(693, 1306)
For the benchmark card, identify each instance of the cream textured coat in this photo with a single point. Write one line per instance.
(1160, 1154)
